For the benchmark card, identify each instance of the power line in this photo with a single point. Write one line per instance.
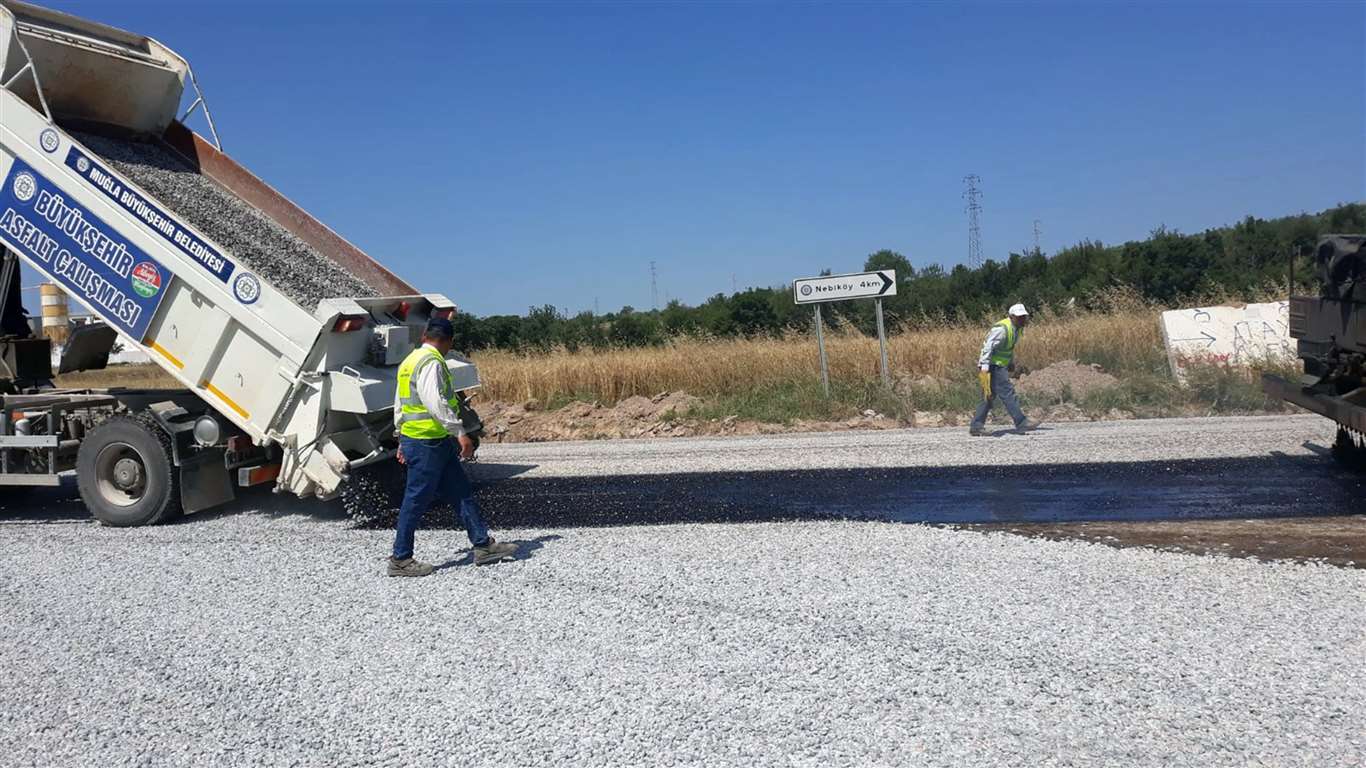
(973, 197)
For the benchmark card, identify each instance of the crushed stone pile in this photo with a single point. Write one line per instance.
(249, 237)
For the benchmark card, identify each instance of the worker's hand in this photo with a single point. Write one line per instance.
(400, 457)
(985, 378)
(466, 447)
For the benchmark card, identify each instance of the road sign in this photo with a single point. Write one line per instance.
(862, 285)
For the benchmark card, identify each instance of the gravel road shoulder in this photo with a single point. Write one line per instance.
(255, 639)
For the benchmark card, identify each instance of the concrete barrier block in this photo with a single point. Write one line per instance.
(1237, 335)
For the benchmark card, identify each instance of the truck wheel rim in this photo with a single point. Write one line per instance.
(121, 474)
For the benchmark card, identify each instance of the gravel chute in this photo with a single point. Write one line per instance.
(301, 272)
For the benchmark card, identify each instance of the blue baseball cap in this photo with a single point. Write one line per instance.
(440, 328)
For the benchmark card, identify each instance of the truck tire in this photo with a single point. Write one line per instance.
(126, 473)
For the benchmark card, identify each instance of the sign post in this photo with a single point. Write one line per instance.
(882, 343)
(820, 344)
(861, 285)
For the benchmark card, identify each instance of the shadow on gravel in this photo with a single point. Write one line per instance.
(63, 504)
(1274, 486)
(59, 504)
(481, 471)
(1271, 486)
(261, 501)
(526, 549)
(1007, 431)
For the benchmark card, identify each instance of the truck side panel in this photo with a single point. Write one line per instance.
(136, 277)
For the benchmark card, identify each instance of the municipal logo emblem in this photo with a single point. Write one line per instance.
(48, 138)
(806, 290)
(25, 187)
(247, 288)
(146, 279)
(82, 164)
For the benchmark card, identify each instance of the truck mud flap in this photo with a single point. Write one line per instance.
(1347, 412)
(204, 481)
(88, 348)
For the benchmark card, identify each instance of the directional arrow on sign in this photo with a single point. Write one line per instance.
(860, 285)
(1205, 336)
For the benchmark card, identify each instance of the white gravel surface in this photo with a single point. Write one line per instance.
(269, 637)
(254, 639)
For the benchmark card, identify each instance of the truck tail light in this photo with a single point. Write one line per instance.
(348, 323)
(249, 476)
(401, 311)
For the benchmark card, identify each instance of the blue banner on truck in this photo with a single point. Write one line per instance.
(149, 213)
(79, 251)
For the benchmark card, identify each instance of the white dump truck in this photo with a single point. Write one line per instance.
(285, 337)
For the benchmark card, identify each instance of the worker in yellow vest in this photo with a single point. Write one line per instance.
(427, 416)
(994, 367)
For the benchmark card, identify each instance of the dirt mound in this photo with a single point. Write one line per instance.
(664, 415)
(1060, 379)
(908, 386)
(670, 414)
(636, 416)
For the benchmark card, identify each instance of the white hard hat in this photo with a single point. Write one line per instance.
(1019, 311)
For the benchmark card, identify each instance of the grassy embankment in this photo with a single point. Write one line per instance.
(777, 379)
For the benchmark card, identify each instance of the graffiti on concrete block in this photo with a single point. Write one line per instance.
(1239, 335)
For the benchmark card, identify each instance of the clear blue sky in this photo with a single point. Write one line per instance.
(521, 154)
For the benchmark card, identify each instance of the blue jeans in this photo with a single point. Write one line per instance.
(1001, 387)
(434, 468)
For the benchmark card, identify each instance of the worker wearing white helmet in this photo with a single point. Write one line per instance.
(995, 365)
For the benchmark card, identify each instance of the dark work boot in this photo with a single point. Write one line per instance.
(1027, 425)
(493, 552)
(975, 431)
(408, 567)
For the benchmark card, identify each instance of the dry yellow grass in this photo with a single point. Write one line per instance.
(139, 376)
(1125, 339)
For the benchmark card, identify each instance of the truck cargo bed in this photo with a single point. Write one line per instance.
(297, 269)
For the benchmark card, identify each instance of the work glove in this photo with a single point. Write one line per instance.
(985, 378)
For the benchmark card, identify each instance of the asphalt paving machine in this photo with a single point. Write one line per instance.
(1331, 333)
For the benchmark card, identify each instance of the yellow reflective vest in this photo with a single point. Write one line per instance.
(1002, 355)
(414, 420)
